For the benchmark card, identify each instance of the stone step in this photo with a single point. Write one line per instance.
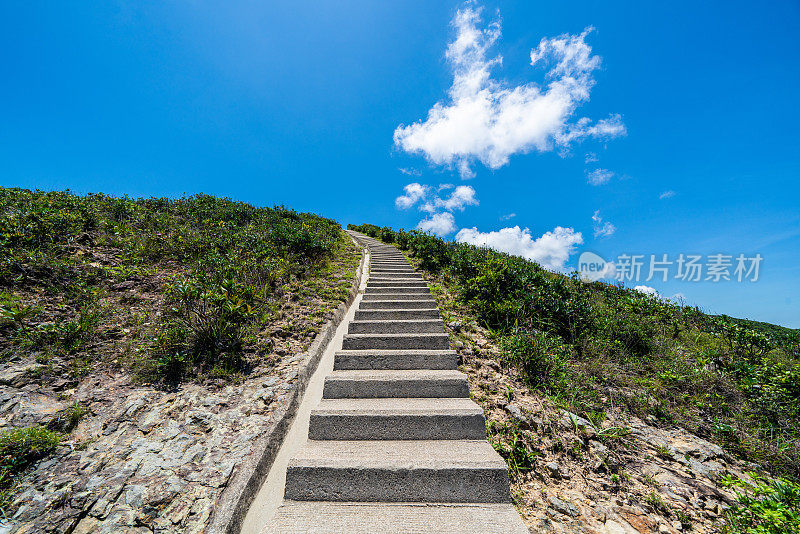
(404, 289)
(394, 359)
(396, 315)
(391, 304)
(395, 277)
(414, 383)
(303, 517)
(403, 282)
(407, 326)
(397, 419)
(396, 341)
(397, 471)
(396, 296)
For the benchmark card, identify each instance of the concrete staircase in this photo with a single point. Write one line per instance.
(396, 444)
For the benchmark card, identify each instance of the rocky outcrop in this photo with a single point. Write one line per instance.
(149, 460)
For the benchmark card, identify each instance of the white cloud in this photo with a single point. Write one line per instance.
(666, 194)
(591, 157)
(462, 196)
(440, 224)
(414, 192)
(551, 250)
(508, 216)
(488, 120)
(440, 220)
(410, 172)
(599, 176)
(602, 228)
(647, 290)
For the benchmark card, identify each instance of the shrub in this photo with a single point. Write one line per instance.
(587, 342)
(765, 506)
(536, 354)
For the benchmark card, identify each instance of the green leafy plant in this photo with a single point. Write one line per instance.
(19, 448)
(765, 506)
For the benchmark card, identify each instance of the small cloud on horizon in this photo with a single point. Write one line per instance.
(551, 250)
(667, 194)
(440, 224)
(647, 290)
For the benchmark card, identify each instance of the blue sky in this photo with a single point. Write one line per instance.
(309, 104)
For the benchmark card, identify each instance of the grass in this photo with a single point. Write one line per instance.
(765, 506)
(19, 448)
(592, 345)
(218, 272)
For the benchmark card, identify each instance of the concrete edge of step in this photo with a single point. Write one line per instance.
(233, 504)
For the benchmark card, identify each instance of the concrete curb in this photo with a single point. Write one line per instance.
(232, 506)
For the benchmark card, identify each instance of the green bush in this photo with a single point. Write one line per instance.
(765, 506)
(536, 354)
(227, 259)
(583, 342)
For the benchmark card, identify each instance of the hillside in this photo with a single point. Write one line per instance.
(144, 345)
(606, 402)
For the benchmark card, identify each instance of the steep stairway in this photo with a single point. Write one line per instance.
(396, 444)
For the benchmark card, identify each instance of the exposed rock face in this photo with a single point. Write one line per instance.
(144, 460)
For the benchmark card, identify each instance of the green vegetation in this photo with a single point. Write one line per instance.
(20, 448)
(588, 345)
(213, 272)
(765, 506)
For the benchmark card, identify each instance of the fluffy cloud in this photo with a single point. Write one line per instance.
(602, 228)
(461, 197)
(666, 194)
(647, 290)
(508, 216)
(414, 192)
(487, 120)
(440, 224)
(599, 176)
(551, 250)
(441, 220)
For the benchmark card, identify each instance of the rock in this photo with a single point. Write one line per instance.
(564, 507)
(663, 529)
(19, 375)
(599, 450)
(554, 469)
(572, 421)
(455, 326)
(517, 414)
(127, 284)
(677, 526)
